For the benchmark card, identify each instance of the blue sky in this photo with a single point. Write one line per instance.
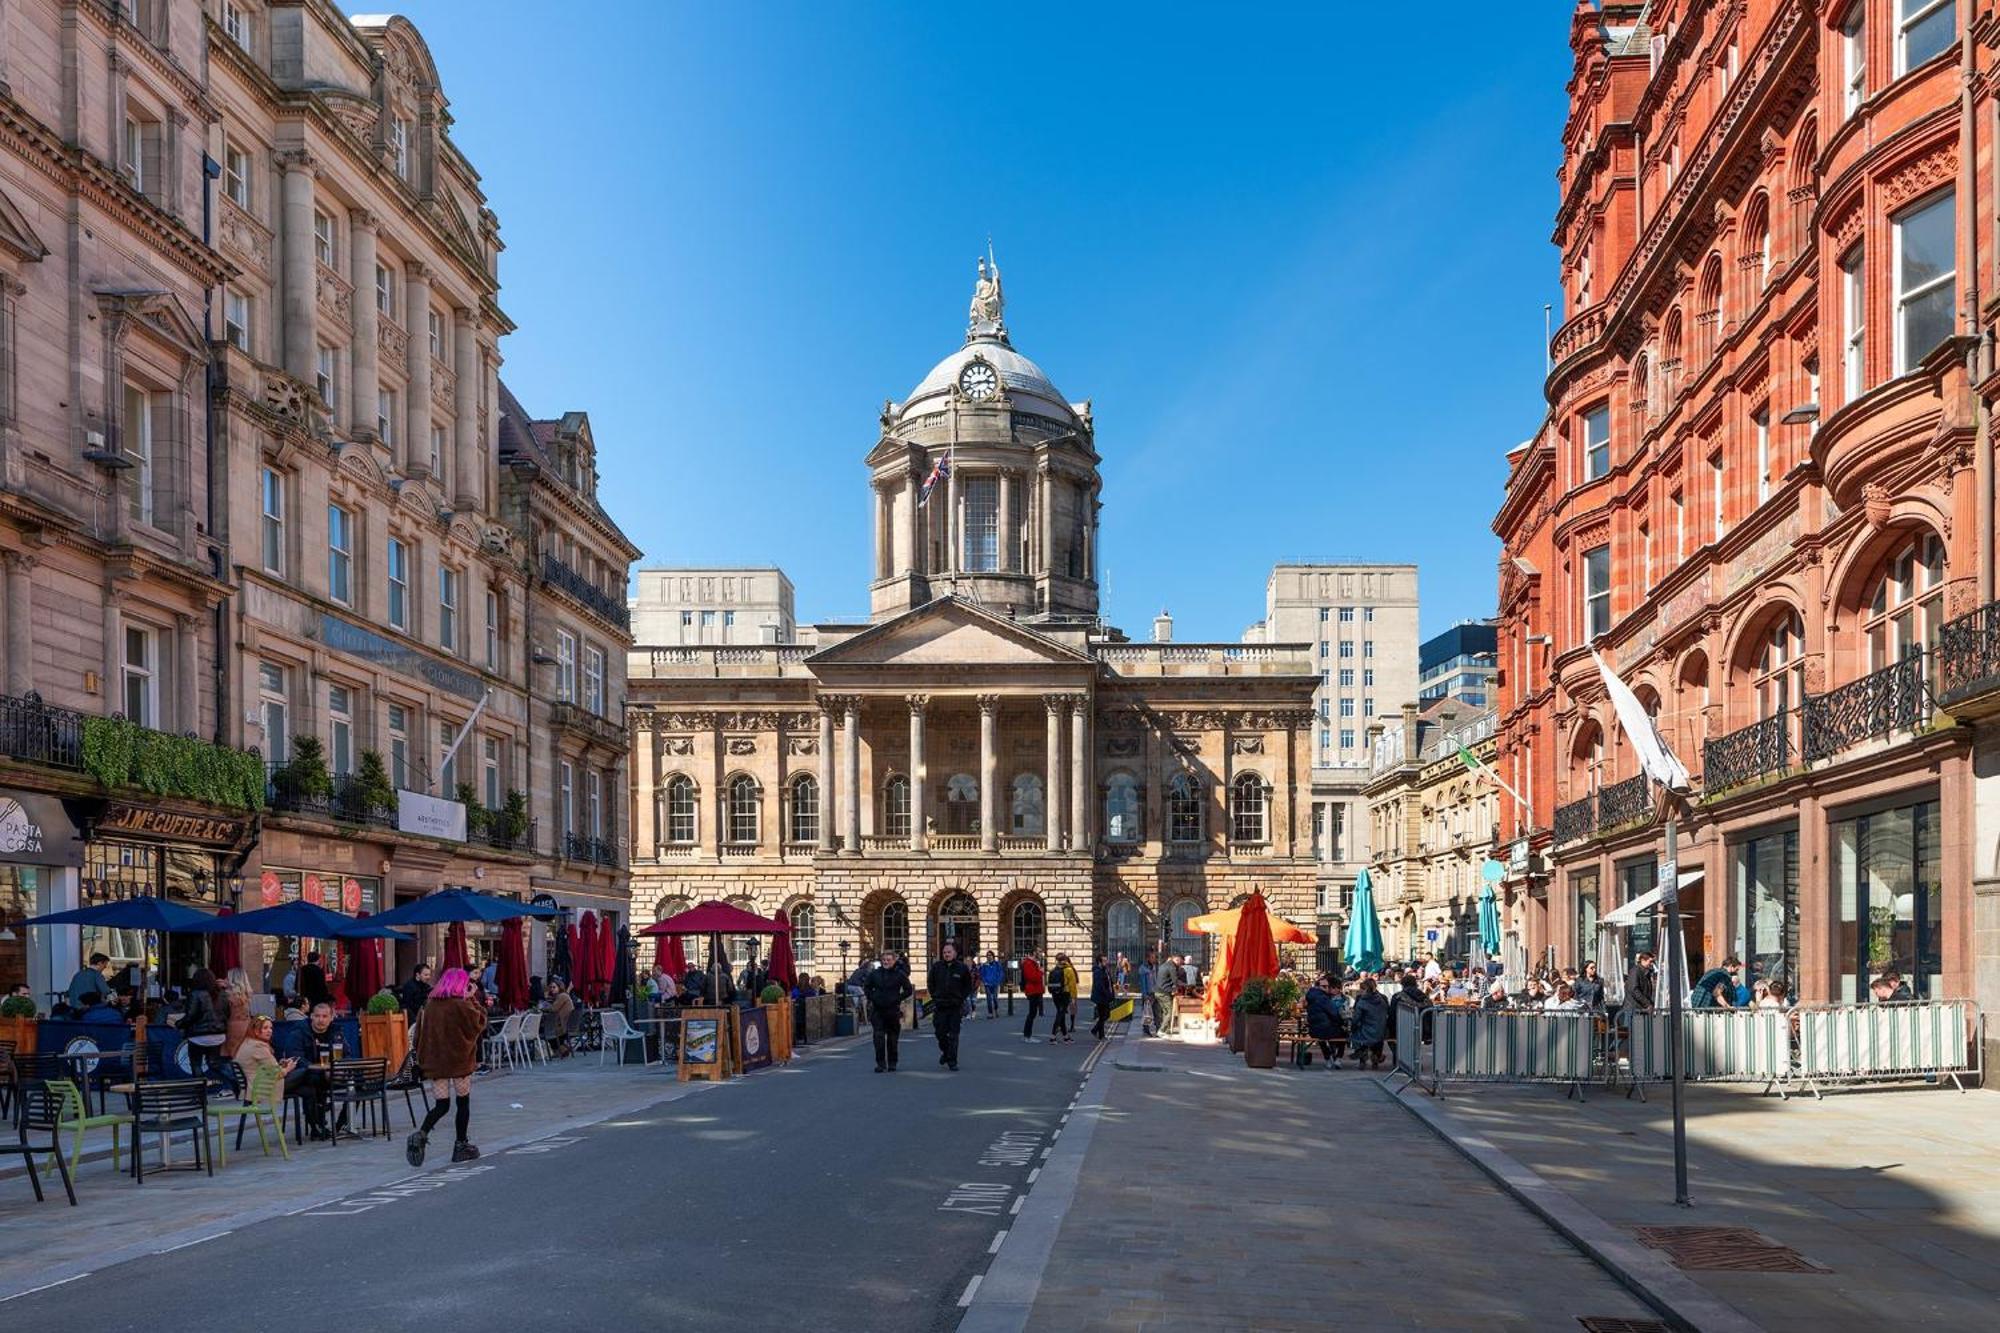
(1296, 257)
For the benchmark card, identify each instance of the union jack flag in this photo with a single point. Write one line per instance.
(940, 471)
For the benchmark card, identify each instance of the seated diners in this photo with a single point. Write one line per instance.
(1772, 995)
(1564, 998)
(254, 1052)
(562, 1006)
(315, 1047)
(1326, 1018)
(1369, 1025)
(1589, 987)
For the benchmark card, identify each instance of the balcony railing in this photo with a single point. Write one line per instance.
(1896, 698)
(1576, 820)
(1627, 802)
(1760, 750)
(498, 839)
(560, 575)
(345, 802)
(1968, 655)
(596, 851)
(39, 733)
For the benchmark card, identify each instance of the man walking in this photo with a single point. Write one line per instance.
(1147, 972)
(991, 973)
(1031, 987)
(885, 989)
(950, 986)
(1101, 993)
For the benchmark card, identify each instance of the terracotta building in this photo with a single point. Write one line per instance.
(984, 760)
(1763, 491)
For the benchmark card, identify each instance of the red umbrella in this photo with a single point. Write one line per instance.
(223, 950)
(607, 959)
(713, 918)
(1252, 953)
(784, 970)
(589, 956)
(673, 957)
(454, 946)
(574, 952)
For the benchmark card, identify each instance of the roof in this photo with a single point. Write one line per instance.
(1019, 376)
(522, 437)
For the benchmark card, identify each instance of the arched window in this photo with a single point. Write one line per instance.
(1025, 929)
(1907, 606)
(1246, 809)
(743, 809)
(673, 906)
(1121, 808)
(1124, 930)
(1588, 751)
(1670, 361)
(1183, 809)
(896, 807)
(805, 809)
(680, 809)
(805, 933)
(1708, 308)
(1757, 245)
(958, 924)
(1781, 665)
(737, 948)
(1026, 810)
(1182, 941)
(896, 919)
(961, 804)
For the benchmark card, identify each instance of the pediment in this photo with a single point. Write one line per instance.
(17, 238)
(949, 632)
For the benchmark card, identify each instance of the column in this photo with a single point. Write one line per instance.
(645, 811)
(1047, 543)
(366, 379)
(114, 649)
(913, 542)
(1010, 547)
(417, 407)
(20, 637)
(187, 673)
(300, 286)
(465, 408)
(1052, 806)
(919, 780)
(881, 535)
(989, 773)
(825, 776)
(716, 824)
(954, 526)
(1079, 773)
(850, 763)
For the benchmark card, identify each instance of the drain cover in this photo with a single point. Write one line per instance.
(1726, 1249)
(1599, 1323)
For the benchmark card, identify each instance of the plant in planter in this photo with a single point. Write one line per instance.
(384, 1001)
(1261, 1003)
(372, 789)
(304, 776)
(771, 994)
(17, 1023)
(510, 821)
(385, 1032)
(477, 817)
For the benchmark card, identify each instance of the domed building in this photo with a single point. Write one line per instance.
(985, 760)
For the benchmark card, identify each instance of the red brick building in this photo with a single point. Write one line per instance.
(1763, 490)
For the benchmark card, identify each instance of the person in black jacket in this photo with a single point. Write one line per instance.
(885, 989)
(950, 985)
(1589, 987)
(1101, 991)
(205, 1022)
(1640, 985)
(416, 990)
(312, 982)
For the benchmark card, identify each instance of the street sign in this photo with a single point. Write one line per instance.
(1431, 935)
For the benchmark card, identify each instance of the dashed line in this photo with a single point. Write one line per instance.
(970, 1287)
(1046, 1152)
(1015, 1211)
(200, 1240)
(1032, 1174)
(994, 1248)
(46, 1286)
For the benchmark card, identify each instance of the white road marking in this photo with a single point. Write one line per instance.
(63, 1282)
(1032, 1174)
(197, 1241)
(1015, 1210)
(994, 1248)
(970, 1287)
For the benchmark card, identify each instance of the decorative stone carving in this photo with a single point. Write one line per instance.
(1875, 504)
(395, 344)
(917, 702)
(444, 387)
(742, 745)
(1122, 719)
(1120, 747)
(1935, 168)
(678, 745)
(1247, 744)
(285, 396)
(243, 236)
(806, 745)
(334, 294)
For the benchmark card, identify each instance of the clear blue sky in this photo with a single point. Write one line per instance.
(1297, 258)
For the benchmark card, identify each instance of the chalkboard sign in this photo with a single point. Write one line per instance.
(704, 1044)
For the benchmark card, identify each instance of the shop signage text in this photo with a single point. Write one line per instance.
(209, 830)
(338, 634)
(35, 830)
(430, 816)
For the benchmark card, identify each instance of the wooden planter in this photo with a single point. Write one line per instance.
(779, 1017)
(20, 1031)
(1260, 1039)
(386, 1037)
(1236, 1034)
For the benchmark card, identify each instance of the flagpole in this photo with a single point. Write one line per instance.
(1676, 1062)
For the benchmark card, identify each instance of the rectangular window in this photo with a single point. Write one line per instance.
(274, 706)
(1680, 525)
(489, 771)
(593, 680)
(236, 23)
(1323, 646)
(1346, 648)
(1368, 648)
(434, 326)
(236, 320)
(1368, 677)
(142, 683)
(1324, 612)
(593, 788)
(1347, 708)
(1760, 422)
(567, 784)
(1346, 738)
(565, 666)
(385, 416)
(1767, 907)
(1645, 557)
(1717, 487)
(1368, 613)
(437, 451)
(1596, 592)
(399, 585)
(1367, 708)
(492, 630)
(1888, 881)
(274, 520)
(1346, 677)
(323, 239)
(1924, 29)
(1596, 442)
(236, 175)
(339, 730)
(323, 378)
(447, 608)
(135, 153)
(447, 768)
(399, 746)
(1346, 615)
(339, 554)
(1854, 57)
(1853, 325)
(385, 291)
(982, 524)
(136, 444)
(399, 146)
(1926, 269)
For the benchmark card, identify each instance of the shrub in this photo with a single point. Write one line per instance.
(119, 753)
(372, 787)
(305, 774)
(17, 1006)
(477, 817)
(384, 1001)
(771, 994)
(510, 821)
(1269, 995)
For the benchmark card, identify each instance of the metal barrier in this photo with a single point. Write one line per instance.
(1496, 1046)
(1810, 1045)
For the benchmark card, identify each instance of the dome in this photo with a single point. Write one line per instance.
(1023, 380)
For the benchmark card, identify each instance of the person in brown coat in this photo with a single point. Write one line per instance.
(448, 1036)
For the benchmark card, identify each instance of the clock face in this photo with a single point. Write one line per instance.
(978, 382)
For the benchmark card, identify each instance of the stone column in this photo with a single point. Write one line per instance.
(417, 408)
(850, 764)
(20, 637)
(1079, 773)
(187, 673)
(1052, 806)
(1046, 544)
(645, 815)
(954, 526)
(919, 780)
(989, 773)
(366, 379)
(300, 281)
(913, 545)
(825, 776)
(465, 408)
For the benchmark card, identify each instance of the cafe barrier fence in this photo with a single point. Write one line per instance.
(1815, 1045)
(1495, 1046)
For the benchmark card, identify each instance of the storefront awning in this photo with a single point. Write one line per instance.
(1628, 913)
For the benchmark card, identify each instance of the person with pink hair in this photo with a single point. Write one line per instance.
(448, 1034)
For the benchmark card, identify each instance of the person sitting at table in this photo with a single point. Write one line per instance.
(312, 982)
(562, 1006)
(107, 1008)
(313, 1047)
(90, 982)
(254, 1052)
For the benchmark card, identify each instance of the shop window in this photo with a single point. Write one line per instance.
(1889, 891)
(1767, 908)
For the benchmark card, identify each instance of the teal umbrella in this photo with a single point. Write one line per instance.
(1489, 922)
(1363, 950)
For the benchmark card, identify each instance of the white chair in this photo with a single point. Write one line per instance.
(617, 1031)
(528, 1040)
(500, 1045)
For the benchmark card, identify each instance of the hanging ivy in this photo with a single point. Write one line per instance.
(119, 753)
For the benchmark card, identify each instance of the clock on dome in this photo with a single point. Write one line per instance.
(978, 381)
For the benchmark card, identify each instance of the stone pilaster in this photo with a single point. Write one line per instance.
(919, 779)
(1052, 805)
(366, 376)
(417, 405)
(826, 806)
(465, 408)
(989, 773)
(300, 283)
(20, 623)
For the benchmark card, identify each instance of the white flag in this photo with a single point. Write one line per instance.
(1654, 756)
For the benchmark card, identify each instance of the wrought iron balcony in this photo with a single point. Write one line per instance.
(596, 851)
(39, 733)
(1627, 802)
(498, 839)
(1760, 750)
(1576, 820)
(344, 802)
(1968, 657)
(559, 575)
(574, 717)
(1896, 698)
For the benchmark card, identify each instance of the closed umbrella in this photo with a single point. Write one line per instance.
(564, 963)
(1252, 953)
(673, 957)
(607, 959)
(224, 954)
(1363, 947)
(1489, 921)
(512, 977)
(784, 968)
(589, 954)
(454, 946)
(364, 969)
(621, 971)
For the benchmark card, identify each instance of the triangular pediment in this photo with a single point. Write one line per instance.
(17, 238)
(949, 632)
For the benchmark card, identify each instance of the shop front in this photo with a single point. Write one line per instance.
(186, 858)
(40, 860)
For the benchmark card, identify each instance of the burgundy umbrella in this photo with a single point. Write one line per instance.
(784, 970)
(607, 960)
(454, 946)
(572, 952)
(589, 955)
(224, 952)
(364, 969)
(673, 957)
(512, 980)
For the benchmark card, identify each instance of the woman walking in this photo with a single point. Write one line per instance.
(1031, 986)
(448, 1036)
(206, 1023)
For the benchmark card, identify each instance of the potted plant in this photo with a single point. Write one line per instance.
(17, 1023)
(385, 1032)
(477, 816)
(778, 1010)
(304, 776)
(372, 789)
(1263, 1002)
(510, 821)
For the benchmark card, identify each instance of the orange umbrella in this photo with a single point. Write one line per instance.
(1223, 923)
(1252, 953)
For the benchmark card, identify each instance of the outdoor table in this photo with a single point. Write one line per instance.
(660, 1037)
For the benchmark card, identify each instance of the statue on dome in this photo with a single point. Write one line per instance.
(987, 298)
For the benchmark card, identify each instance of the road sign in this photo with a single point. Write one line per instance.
(1431, 935)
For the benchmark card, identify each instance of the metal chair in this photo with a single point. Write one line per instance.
(37, 1110)
(163, 1106)
(361, 1084)
(9, 1078)
(500, 1042)
(262, 1102)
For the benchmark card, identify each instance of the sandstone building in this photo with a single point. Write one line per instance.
(1432, 826)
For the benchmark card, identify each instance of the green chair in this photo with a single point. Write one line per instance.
(262, 1102)
(74, 1119)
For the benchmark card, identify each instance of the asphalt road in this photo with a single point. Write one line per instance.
(824, 1195)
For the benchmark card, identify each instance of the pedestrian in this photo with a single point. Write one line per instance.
(1031, 987)
(312, 986)
(951, 985)
(1641, 985)
(1326, 1018)
(1073, 988)
(991, 973)
(1101, 993)
(1370, 1025)
(1059, 998)
(1148, 970)
(885, 989)
(448, 1034)
(1166, 989)
(1589, 987)
(416, 990)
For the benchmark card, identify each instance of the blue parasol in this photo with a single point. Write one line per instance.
(306, 920)
(143, 912)
(1489, 921)
(457, 905)
(1363, 948)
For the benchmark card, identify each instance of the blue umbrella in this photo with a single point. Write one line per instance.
(1363, 949)
(1489, 921)
(457, 905)
(143, 912)
(301, 918)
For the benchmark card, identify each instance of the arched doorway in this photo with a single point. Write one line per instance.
(958, 923)
(1124, 929)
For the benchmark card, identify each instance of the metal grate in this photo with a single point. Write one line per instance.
(1727, 1250)
(1601, 1323)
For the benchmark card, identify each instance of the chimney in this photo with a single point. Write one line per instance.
(1163, 627)
(1411, 747)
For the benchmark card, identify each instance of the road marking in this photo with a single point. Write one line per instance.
(1016, 1209)
(994, 1248)
(382, 1196)
(1046, 1152)
(1032, 1174)
(976, 1196)
(78, 1277)
(970, 1287)
(543, 1145)
(200, 1240)
(1014, 1147)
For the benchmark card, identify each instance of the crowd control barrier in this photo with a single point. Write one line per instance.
(1496, 1046)
(1813, 1045)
